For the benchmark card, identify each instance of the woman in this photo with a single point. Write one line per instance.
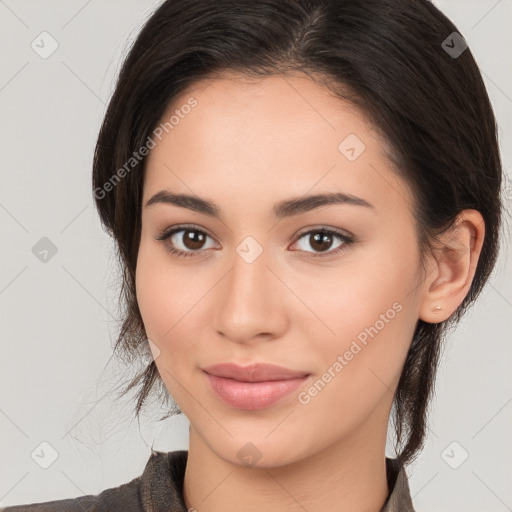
(304, 199)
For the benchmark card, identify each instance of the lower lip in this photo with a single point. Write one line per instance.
(252, 395)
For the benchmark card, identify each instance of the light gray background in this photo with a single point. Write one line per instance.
(58, 318)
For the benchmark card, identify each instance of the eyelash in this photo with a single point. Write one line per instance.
(165, 235)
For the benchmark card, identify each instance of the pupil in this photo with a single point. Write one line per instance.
(193, 239)
(322, 240)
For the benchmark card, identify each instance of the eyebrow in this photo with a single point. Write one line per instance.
(281, 210)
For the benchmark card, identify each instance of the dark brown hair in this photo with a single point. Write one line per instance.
(391, 59)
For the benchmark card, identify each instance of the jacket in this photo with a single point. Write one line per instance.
(160, 489)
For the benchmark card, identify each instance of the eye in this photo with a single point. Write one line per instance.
(321, 239)
(190, 242)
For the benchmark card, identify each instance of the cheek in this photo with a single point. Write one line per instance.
(365, 289)
(359, 369)
(365, 318)
(151, 292)
(158, 295)
(168, 298)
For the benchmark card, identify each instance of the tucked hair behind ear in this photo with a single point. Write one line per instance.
(386, 56)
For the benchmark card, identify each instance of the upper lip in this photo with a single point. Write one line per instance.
(254, 372)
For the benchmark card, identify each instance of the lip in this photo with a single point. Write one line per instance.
(254, 372)
(252, 387)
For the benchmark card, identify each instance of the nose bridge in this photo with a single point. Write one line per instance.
(246, 301)
(248, 282)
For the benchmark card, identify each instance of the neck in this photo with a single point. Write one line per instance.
(349, 475)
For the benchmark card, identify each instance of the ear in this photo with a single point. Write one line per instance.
(452, 267)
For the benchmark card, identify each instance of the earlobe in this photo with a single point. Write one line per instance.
(453, 267)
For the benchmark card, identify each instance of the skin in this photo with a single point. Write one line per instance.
(247, 145)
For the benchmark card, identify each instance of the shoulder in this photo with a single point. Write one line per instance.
(161, 481)
(159, 487)
(399, 497)
(124, 497)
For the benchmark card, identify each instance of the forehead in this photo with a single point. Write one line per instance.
(277, 133)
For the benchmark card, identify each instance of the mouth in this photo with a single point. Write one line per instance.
(254, 372)
(253, 387)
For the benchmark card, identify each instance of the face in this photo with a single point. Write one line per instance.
(330, 290)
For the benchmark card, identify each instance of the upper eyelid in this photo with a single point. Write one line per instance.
(176, 229)
(320, 227)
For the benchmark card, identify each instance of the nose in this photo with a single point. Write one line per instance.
(249, 303)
